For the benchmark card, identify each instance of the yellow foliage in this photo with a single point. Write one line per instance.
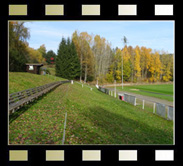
(137, 62)
(35, 55)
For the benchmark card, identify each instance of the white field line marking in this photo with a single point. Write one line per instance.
(63, 140)
(64, 128)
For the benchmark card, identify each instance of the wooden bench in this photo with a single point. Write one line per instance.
(19, 99)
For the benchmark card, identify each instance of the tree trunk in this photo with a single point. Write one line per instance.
(81, 67)
(86, 68)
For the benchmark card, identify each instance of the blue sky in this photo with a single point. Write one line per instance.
(158, 35)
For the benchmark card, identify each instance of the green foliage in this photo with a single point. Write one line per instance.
(50, 57)
(34, 56)
(126, 71)
(67, 61)
(42, 50)
(90, 78)
(110, 77)
(167, 67)
(19, 51)
(18, 34)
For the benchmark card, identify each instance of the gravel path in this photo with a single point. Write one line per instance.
(148, 98)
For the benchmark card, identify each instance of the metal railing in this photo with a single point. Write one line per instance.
(163, 110)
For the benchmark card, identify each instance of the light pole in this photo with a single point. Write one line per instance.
(114, 88)
(122, 70)
(125, 42)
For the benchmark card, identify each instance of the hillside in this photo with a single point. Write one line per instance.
(92, 118)
(22, 80)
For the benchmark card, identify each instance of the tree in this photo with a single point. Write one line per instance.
(155, 67)
(42, 50)
(102, 57)
(132, 61)
(166, 66)
(78, 44)
(18, 55)
(137, 67)
(82, 43)
(50, 57)
(34, 56)
(126, 64)
(67, 61)
(87, 55)
(74, 67)
(60, 60)
(157, 63)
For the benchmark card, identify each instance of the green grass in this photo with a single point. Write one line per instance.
(92, 118)
(51, 68)
(165, 91)
(52, 71)
(22, 80)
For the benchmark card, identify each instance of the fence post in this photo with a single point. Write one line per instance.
(143, 104)
(135, 102)
(154, 108)
(71, 81)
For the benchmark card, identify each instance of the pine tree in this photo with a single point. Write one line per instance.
(67, 62)
(74, 63)
(60, 59)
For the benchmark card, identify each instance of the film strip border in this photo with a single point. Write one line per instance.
(99, 155)
(90, 155)
(91, 10)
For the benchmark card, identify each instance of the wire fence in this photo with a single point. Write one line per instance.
(160, 109)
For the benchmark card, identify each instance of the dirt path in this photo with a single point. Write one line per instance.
(148, 98)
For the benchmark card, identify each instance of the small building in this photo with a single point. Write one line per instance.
(33, 68)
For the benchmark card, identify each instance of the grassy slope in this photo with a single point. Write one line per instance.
(165, 89)
(51, 68)
(52, 71)
(92, 118)
(21, 80)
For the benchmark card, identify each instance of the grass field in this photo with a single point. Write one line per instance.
(163, 91)
(92, 118)
(22, 80)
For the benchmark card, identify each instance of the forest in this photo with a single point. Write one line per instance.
(87, 57)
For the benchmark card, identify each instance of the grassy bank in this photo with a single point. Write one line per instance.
(22, 80)
(92, 118)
